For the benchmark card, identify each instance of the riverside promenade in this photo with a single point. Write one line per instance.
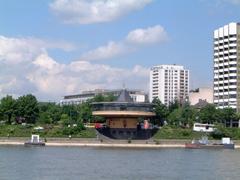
(106, 143)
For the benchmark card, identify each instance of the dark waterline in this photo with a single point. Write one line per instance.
(63, 163)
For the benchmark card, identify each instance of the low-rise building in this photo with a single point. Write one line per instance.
(136, 95)
(201, 94)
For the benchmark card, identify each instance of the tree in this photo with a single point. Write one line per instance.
(209, 114)
(110, 97)
(65, 120)
(175, 117)
(98, 98)
(7, 107)
(182, 116)
(189, 115)
(27, 108)
(53, 111)
(228, 115)
(85, 112)
(161, 110)
(72, 112)
(173, 105)
(44, 118)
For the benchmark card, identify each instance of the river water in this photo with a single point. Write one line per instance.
(70, 163)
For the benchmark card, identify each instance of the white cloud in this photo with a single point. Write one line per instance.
(112, 49)
(132, 42)
(77, 76)
(16, 50)
(26, 67)
(34, 71)
(94, 11)
(151, 35)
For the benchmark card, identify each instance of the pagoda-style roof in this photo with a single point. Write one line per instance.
(124, 96)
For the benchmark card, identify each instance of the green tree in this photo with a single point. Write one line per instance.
(27, 108)
(110, 98)
(85, 112)
(98, 98)
(7, 107)
(173, 105)
(228, 115)
(161, 111)
(72, 112)
(54, 111)
(45, 118)
(209, 114)
(176, 117)
(189, 115)
(65, 120)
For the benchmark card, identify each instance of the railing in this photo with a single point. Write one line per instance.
(122, 107)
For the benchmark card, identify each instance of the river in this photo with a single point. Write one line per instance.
(78, 163)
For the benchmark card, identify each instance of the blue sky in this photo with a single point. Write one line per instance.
(51, 48)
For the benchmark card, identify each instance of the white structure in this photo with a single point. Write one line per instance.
(226, 66)
(136, 95)
(169, 83)
(199, 127)
(205, 94)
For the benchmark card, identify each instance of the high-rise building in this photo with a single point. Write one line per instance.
(227, 66)
(169, 83)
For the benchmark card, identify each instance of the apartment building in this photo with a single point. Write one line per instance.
(169, 83)
(227, 66)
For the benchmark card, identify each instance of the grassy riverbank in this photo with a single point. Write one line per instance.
(177, 133)
(59, 131)
(49, 131)
(180, 133)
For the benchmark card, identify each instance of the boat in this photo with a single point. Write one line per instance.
(203, 143)
(35, 141)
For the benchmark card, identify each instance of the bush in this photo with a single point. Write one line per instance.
(217, 134)
(186, 133)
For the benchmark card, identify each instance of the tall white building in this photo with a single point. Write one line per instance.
(169, 83)
(227, 66)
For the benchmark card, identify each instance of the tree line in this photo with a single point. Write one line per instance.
(184, 115)
(26, 109)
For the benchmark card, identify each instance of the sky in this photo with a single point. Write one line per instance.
(52, 48)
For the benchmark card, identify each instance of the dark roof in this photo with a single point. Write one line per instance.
(124, 96)
(201, 103)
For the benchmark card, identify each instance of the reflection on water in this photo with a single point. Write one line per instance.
(63, 163)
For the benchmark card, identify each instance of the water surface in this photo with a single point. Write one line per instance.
(63, 163)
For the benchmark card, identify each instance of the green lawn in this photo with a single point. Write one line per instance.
(177, 133)
(180, 133)
(49, 131)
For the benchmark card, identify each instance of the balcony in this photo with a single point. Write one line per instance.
(232, 92)
(233, 45)
(233, 62)
(233, 39)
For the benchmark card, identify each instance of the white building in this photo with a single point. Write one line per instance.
(226, 66)
(205, 94)
(169, 83)
(136, 95)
